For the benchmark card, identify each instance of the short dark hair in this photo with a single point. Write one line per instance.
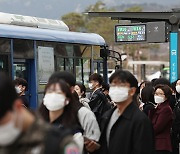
(147, 94)
(96, 77)
(7, 94)
(66, 76)
(166, 89)
(21, 81)
(162, 81)
(124, 76)
(82, 88)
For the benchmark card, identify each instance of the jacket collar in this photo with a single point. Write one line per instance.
(96, 91)
(128, 112)
(159, 107)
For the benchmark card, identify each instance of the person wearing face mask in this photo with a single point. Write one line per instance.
(21, 132)
(176, 119)
(21, 86)
(81, 91)
(58, 109)
(98, 100)
(125, 129)
(85, 116)
(163, 81)
(161, 118)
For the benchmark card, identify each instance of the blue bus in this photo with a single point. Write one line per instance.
(33, 48)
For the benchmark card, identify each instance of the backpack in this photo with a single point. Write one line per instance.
(54, 139)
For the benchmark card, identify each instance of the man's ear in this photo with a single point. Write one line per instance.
(97, 83)
(24, 88)
(132, 91)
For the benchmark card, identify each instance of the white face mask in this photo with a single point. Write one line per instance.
(91, 86)
(159, 99)
(118, 94)
(18, 90)
(9, 133)
(54, 101)
(178, 88)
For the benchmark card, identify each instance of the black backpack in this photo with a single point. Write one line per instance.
(54, 139)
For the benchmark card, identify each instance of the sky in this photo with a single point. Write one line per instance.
(54, 9)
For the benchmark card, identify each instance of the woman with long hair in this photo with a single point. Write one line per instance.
(147, 97)
(139, 91)
(59, 109)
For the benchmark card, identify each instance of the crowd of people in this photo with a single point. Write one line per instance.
(122, 117)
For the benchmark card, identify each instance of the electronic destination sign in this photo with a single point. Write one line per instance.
(130, 33)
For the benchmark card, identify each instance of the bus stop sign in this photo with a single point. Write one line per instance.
(173, 57)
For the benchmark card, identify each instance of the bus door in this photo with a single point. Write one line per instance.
(23, 68)
(5, 63)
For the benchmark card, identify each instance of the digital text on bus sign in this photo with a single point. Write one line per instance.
(130, 33)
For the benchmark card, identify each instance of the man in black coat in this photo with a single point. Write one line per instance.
(125, 129)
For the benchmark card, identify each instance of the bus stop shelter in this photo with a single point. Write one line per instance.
(170, 34)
